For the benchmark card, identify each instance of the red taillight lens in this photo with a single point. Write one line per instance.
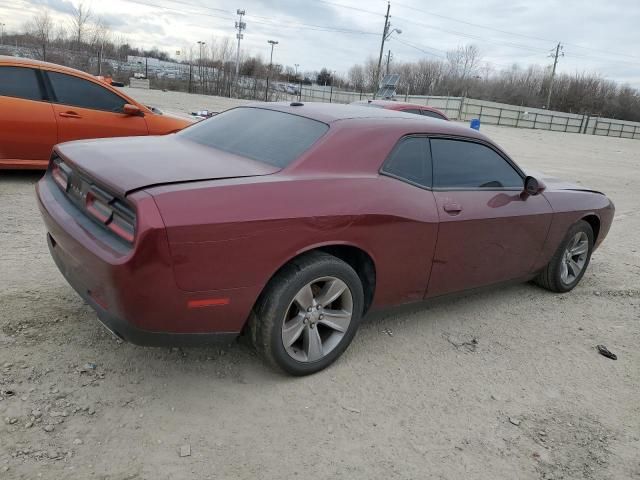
(122, 226)
(98, 207)
(116, 215)
(61, 174)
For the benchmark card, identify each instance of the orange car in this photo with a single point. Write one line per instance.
(42, 104)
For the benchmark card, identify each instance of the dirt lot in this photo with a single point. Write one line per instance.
(413, 397)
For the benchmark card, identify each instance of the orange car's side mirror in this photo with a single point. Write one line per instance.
(129, 109)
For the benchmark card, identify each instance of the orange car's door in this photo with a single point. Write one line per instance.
(86, 109)
(27, 124)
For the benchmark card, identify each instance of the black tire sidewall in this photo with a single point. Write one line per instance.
(294, 281)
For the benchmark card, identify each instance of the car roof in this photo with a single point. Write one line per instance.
(393, 105)
(29, 62)
(359, 115)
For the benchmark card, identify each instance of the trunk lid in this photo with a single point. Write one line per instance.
(123, 165)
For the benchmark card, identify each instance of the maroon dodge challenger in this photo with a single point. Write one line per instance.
(289, 222)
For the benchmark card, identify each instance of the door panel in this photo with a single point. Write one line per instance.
(27, 130)
(486, 237)
(75, 123)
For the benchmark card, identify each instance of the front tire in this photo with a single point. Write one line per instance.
(568, 265)
(308, 314)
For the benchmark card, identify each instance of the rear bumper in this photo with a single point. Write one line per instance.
(133, 289)
(128, 332)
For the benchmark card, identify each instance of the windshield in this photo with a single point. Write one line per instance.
(267, 136)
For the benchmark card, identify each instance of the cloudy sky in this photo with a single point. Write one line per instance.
(598, 35)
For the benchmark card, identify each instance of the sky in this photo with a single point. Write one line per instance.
(597, 36)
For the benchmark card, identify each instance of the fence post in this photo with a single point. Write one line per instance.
(266, 90)
(460, 109)
(300, 91)
(566, 125)
(331, 92)
(446, 106)
(518, 118)
(633, 135)
(609, 129)
(500, 116)
(480, 114)
(535, 120)
(551, 124)
(595, 127)
(360, 94)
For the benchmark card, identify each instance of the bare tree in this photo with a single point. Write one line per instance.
(79, 23)
(41, 28)
(356, 77)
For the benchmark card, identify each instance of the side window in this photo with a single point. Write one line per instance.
(415, 111)
(20, 82)
(70, 90)
(429, 113)
(410, 160)
(460, 164)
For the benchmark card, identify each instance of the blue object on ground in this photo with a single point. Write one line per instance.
(475, 123)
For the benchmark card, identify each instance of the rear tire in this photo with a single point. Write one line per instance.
(308, 314)
(568, 265)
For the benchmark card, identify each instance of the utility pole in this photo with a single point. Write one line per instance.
(240, 26)
(385, 32)
(559, 52)
(388, 60)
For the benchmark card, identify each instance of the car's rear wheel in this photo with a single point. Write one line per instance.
(567, 267)
(308, 314)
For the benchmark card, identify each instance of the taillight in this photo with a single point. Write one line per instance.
(114, 214)
(61, 174)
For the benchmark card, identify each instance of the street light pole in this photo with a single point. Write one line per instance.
(200, 45)
(273, 43)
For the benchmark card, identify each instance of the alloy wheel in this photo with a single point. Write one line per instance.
(317, 319)
(574, 258)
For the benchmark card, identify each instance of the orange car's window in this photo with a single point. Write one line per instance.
(20, 82)
(70, 90)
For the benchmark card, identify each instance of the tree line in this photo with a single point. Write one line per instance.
(85, 40)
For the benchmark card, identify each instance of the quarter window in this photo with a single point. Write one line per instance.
(415, 111)
(70, 90)
(20, 82)
(460, 164)
(410, 160)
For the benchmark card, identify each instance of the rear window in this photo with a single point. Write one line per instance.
(268, 136)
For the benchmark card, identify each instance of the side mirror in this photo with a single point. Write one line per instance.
(129, 109)
(531, 186)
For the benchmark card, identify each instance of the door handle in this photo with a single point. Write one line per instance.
(69, 115)
(452, 208)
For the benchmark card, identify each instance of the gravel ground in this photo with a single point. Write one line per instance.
(501, 384)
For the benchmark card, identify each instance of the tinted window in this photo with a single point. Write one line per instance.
(470, 165)
(429, 113)
(19, 82)
(75, 91)
(412, 110)
(410, 160)
(268, 136)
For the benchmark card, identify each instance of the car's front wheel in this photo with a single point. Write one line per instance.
(308, 314)
(570, 261)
